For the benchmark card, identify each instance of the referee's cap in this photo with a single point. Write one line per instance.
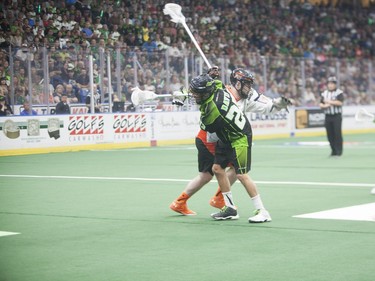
(332, 79)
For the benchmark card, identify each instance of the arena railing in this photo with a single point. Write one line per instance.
(34, 74)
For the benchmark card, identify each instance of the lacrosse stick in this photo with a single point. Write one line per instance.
(174, 11)
(363, 115)
(139, 96)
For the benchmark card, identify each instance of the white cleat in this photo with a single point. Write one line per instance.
(373, 191)
(260, 216)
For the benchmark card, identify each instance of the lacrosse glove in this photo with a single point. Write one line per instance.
(177, 102)
(281, 103)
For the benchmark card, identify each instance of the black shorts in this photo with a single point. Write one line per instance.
(205, 157)
(239, 157)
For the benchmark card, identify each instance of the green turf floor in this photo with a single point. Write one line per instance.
(104, 216)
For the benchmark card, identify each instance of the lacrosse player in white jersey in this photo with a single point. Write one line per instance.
(249, 101)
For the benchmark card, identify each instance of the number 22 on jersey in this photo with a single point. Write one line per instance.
(234, 114)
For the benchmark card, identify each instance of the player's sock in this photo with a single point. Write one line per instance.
(258, 204)
(228, 199)
(183, 197)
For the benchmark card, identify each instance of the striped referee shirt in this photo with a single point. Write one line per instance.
(332, 95)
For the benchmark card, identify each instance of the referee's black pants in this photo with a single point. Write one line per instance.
(333, 124)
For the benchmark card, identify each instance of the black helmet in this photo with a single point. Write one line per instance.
(245, 78)
(202, 87)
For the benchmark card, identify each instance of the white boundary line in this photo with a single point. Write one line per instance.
(6, 233)
(365, 212)
(184, 180)
(362, 145)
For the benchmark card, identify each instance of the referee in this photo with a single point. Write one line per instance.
(331, 101)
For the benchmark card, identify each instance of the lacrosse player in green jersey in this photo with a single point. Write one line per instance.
(250, 101)
(221, 115)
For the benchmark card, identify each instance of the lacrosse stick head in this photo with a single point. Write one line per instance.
(140, 96)
(136, 96)
(363, 115)
(174, 11)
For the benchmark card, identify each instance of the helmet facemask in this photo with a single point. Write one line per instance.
(202, 87)
(243, 88)
(242, 80)
(199, 96)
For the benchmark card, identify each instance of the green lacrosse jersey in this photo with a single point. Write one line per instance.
(221, 115)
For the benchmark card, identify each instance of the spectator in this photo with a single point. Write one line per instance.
(132, 41)
(87, 31)
(63, 107)
(115, 34)
(272, 91)
(58, 93)
(310, 99)
(96, 97)
(149, 47)
(5, 93)
(71, 94)
(72, 76)
(24, 53)
(15, 38)
(36, 94)
(175, 84)
(106, 89)
(4, 83)
(5, 109)
(83, 79)
(149, 86)
(174, 51)
(27, 110)
(19, 95)
(292, 31)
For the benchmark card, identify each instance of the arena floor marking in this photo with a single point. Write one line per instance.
(323, 144)
(6, 233)
(365, 212)
(320, 184)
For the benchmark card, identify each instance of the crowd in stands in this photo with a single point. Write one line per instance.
(280, 36)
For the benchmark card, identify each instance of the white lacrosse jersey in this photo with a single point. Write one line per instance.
(256, 103)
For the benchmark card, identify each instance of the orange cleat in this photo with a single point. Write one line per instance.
(217, 201)
(182, 208)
